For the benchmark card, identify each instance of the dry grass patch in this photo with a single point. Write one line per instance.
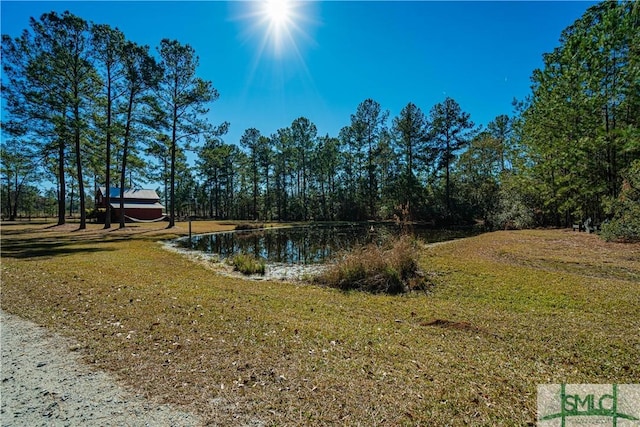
(511, 311)
(392, 269)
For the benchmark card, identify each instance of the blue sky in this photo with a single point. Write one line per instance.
(336, 54)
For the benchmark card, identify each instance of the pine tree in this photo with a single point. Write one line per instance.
(411, 135)
(107, 50)
(452, 130)
(368, 124)
(183, 98)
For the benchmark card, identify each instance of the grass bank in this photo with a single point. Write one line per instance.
(508, 311)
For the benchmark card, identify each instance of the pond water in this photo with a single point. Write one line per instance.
(307, 245)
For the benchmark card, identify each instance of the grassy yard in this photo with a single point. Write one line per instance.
(508, 311)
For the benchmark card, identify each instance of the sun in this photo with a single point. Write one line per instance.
(282, 27)
(281, 19)
(278, 12)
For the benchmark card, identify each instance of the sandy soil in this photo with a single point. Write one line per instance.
(45, 383)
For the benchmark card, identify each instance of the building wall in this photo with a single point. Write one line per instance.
(143, 214)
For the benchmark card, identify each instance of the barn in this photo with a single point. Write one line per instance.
(139, 204)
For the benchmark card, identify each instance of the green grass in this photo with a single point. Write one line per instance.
(248, 264)
(507, 311)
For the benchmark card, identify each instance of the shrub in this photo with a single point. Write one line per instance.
(618, 230)
(624, 225)
(375, 269)
(248, 264)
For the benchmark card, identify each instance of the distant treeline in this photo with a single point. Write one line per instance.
(85, 105)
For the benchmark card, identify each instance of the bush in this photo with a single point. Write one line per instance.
(619, 230)
(391, 270)
(248, 264)
(624, 225)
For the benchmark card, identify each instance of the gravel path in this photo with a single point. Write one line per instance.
(45, 383)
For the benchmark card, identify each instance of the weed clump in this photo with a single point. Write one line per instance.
(391, 269)
(248, 264)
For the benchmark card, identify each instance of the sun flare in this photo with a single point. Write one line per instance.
(282, 19)
(278, 11)
(281, 26)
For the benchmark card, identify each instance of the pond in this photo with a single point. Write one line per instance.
(309, 245)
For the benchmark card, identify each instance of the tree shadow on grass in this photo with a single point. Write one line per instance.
(49, 247)
(52, 240)
(56, 241)
(48, 251)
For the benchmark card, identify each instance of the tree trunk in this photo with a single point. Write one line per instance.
(172, 196)
(255, 192)
(447, 179)
(267, 200)
(76, 125)
(62, 195)
(107, 196)
(165, 181)
(125, 152)
(16, 194)
(71, 200)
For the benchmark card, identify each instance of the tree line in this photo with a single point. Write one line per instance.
(375, 168)
(84, 104)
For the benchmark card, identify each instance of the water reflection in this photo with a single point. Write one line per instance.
(301, 245)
